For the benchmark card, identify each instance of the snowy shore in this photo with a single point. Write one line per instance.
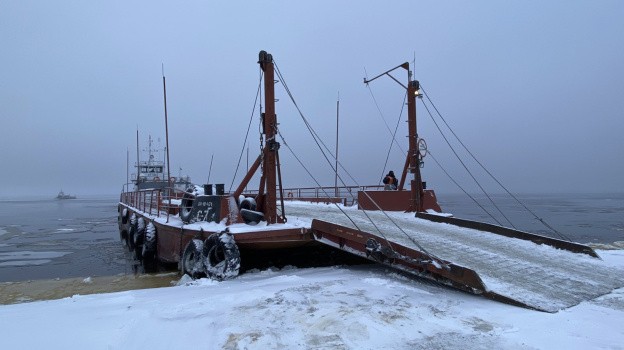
(361, 307)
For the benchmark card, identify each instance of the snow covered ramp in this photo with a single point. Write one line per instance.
(539, 276)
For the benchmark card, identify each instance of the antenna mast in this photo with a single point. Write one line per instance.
(138, 162)
(166, 133)
(337, 117)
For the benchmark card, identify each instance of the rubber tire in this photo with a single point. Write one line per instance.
(186, 207)
(123, 236)
(221, 256)
(251, 217)
(192, 259)
(119, 216)
(125, 215)
(132, 228)
(149, 251)
(248, 203)
(139, 238)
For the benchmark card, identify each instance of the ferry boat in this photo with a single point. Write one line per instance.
(209, 232)
(62, 195)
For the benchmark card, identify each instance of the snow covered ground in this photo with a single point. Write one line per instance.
(361, 307)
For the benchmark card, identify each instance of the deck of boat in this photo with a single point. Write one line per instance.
(540, 276)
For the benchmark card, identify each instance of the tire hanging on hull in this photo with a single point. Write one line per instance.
(139, 238)
(192, 259)
(150, 258)
(221, 256)
(131, 229)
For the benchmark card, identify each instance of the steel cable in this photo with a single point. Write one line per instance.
(489, 173)
(247, 134)
(318, 142)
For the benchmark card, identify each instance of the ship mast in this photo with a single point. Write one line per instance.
(269, 156)
(414, 158)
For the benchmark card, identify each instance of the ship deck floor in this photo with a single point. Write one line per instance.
(540, 276)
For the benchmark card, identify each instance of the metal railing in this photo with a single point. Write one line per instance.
(152, 201)
(156, 201)
(347, 193)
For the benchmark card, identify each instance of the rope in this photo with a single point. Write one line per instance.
(490, 174)
(247, 134)
(396, 128)
(460, 187)
(317, 139)
(466, 168)
(313, 178)
(383, 118)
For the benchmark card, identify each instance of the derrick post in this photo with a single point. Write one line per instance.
(412, 153)
(269, 129)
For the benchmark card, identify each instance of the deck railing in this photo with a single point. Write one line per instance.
(156, 202)
(348, 194)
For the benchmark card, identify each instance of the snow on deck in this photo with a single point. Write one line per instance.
(544, 277)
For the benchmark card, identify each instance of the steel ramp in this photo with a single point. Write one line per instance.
(405, 259)
(517, 271)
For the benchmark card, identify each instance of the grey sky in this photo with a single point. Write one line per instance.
(534, 88)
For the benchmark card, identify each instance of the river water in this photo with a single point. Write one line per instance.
(45, 239)
(50, 238)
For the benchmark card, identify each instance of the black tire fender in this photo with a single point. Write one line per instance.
(132, 228)
(139, 238)
(150, 245)
(192, 259)
(124, 216)
(186, 207)
(221, 256)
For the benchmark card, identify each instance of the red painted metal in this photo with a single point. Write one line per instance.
(407, 260)
(270, 131)
(398, 256)
(267, 191)
(326, 200)
(252, 170)
(395, 200)
(416, 201)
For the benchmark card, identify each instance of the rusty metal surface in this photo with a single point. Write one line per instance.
(398, 256)
(395, 200)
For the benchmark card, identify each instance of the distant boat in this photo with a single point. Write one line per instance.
(62, 195)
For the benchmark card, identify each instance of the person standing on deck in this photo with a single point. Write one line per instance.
(390, 181)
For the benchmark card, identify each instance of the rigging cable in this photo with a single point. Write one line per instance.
(396, 128)
(466, 168)
(316, 140)
(313, 178)
(247, 134)
(460, 187)
(383, 118)
(490, 174)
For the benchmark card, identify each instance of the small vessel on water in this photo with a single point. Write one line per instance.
(151, 173)
(62, 195)
(207, 231)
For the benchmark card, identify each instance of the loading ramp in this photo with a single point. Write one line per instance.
(515, 271)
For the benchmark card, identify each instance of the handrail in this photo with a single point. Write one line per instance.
(155, 201)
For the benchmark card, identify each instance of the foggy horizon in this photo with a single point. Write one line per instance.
(533, 89)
